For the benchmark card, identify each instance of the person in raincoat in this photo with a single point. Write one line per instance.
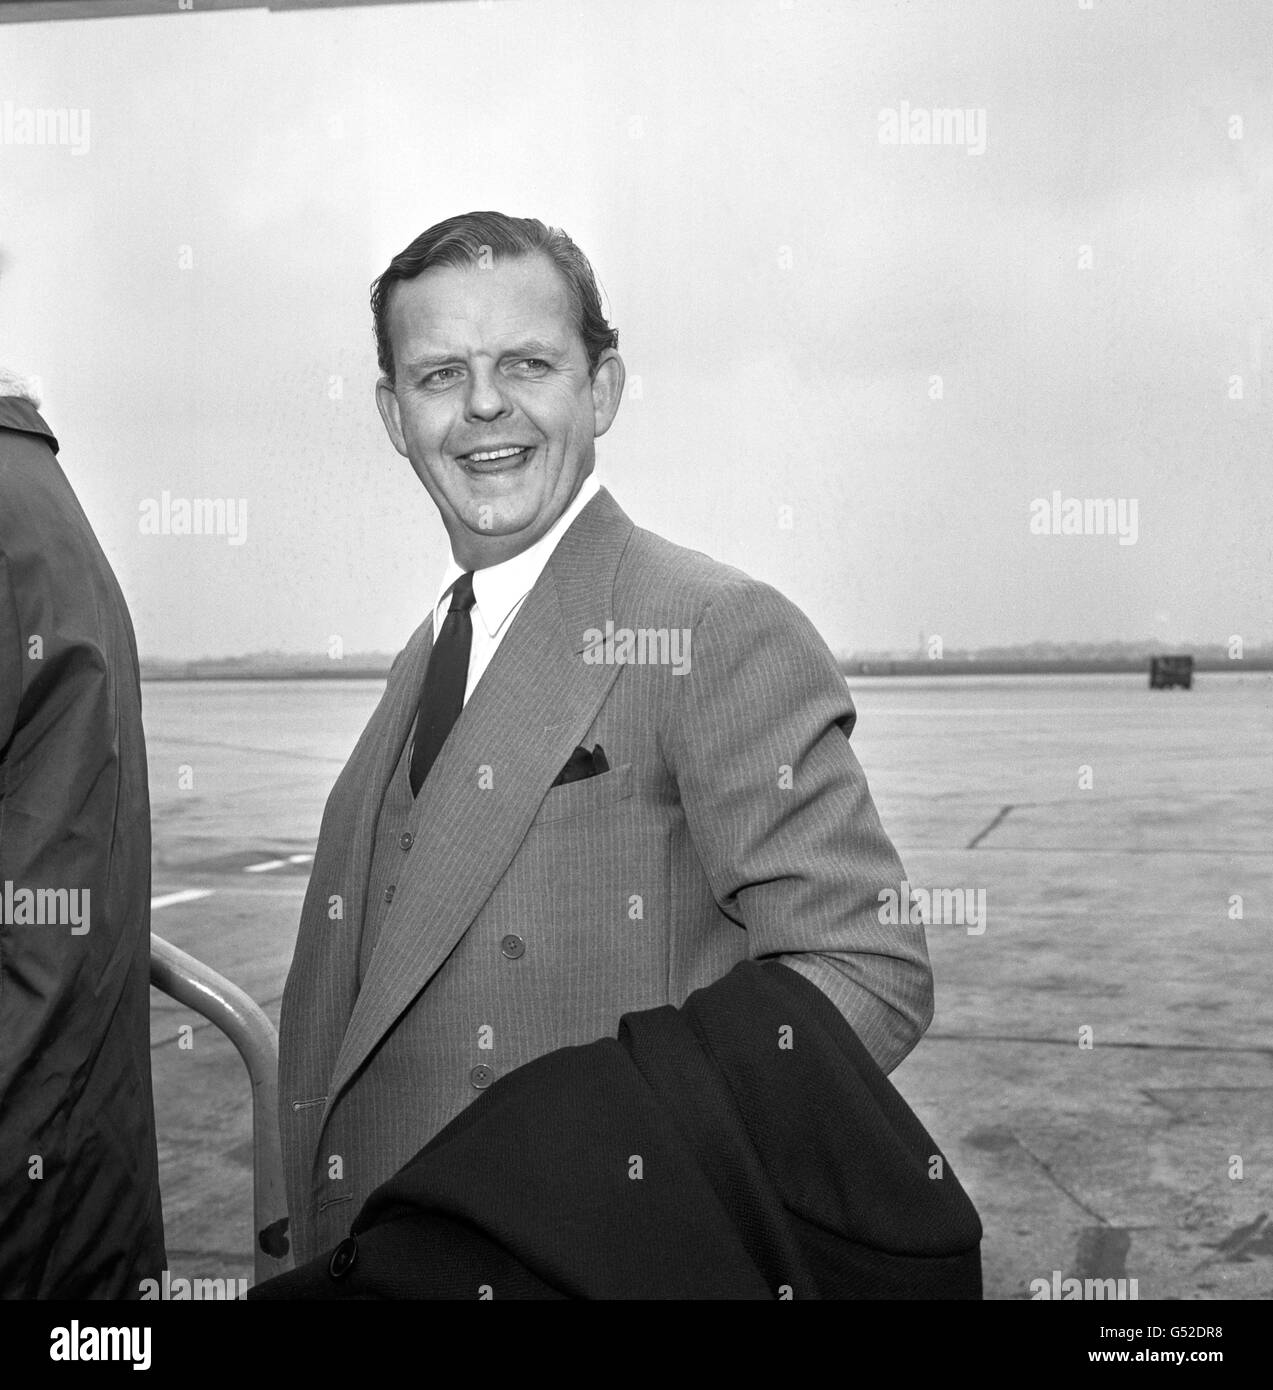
(80, 1213)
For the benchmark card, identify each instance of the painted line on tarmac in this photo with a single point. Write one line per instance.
(268, 865)
(981, 835)
(249, 748)
(186, 895)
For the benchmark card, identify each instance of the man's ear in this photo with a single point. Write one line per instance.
(607, 391)
(387, 404)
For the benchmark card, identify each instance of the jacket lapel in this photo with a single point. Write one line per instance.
(532, 706)
(323, 980)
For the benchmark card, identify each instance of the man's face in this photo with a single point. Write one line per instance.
(493, 402)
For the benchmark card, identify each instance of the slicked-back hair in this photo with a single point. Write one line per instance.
(480, 239)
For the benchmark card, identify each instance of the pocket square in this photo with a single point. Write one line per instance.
(582, 764)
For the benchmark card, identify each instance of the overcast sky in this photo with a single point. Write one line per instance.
(191, 289)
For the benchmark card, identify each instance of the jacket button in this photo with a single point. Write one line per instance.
(389, 893)
(482, 1076)
(407, 840)
(343, 1257)
(513, 947)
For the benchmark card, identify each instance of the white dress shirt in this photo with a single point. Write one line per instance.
(500, 590)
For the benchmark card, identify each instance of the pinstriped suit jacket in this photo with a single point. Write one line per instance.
(735, 821)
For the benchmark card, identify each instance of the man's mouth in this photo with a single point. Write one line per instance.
(496, 459)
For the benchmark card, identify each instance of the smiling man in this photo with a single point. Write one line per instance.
(496, 393)
(534, 836)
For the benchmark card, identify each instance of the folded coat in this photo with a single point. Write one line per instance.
(742, 1146)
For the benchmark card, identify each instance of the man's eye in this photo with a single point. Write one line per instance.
(533, 364)
(440, 377)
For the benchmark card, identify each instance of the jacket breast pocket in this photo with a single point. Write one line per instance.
(587, 797)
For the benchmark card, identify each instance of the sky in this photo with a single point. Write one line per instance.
(854, 362)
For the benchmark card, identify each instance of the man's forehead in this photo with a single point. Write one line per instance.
(450, 306)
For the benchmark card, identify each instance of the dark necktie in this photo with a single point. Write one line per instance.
(442, 698)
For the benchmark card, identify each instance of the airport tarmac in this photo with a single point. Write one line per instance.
(1099, 1072)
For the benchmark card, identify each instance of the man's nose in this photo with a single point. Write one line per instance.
(486, 400)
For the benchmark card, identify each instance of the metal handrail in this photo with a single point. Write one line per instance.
(243, 1021)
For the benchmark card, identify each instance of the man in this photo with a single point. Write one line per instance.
(80, 1215)
(604, 771)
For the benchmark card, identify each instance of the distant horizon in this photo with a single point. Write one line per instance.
(1130, 649)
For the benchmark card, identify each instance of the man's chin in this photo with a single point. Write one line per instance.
(493, 518)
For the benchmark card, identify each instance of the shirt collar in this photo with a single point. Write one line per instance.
(498, 589)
